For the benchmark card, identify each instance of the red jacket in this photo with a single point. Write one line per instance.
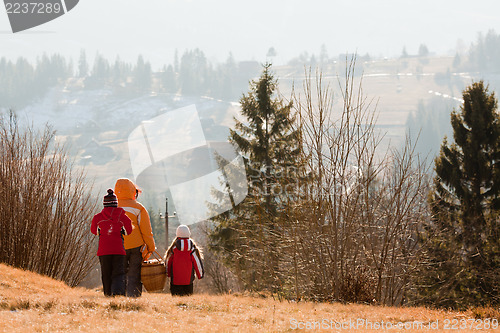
(184, 262)
(111, 224)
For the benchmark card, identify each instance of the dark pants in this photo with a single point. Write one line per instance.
(181, 290)
(112, 274)
(133, 263)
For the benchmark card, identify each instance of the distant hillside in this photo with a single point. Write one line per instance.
(33, 303)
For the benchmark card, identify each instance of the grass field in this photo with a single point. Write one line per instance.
(34, 303)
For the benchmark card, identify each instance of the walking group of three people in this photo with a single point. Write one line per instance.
(126, 239)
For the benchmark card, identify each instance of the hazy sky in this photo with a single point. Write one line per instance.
(155, 28)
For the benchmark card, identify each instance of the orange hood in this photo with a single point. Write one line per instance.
(125, 189)
(142, 232)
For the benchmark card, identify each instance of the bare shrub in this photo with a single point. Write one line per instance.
(46, 206)
(349, 233)
(218, 278)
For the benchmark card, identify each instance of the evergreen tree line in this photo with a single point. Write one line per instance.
(330, 217)
(193, 75)
(483, 55)
(21, 82)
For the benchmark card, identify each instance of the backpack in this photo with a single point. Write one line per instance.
(110, 228)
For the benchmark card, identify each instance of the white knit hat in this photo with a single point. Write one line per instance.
(183, 231)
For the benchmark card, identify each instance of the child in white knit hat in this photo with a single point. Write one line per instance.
(183, 259)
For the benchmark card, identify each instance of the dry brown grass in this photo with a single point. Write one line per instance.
(33, 303)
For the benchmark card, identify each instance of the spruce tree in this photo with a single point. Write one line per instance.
(83, 67)
(463, 238)
(142, 75)
(247, 235)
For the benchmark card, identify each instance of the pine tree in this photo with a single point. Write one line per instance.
(83, 67)
(142, 75)
(119, 72)
(193, 73)
(247, 235)
(169, 80)
(100, 73)
(463, 238)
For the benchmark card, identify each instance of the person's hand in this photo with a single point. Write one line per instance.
(145, 252)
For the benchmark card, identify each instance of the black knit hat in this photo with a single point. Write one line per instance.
(110, 199)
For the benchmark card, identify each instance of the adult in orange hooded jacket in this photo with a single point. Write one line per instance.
(142, 234)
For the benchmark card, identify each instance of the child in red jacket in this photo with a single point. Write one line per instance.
(183, 262)
(111, 224)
